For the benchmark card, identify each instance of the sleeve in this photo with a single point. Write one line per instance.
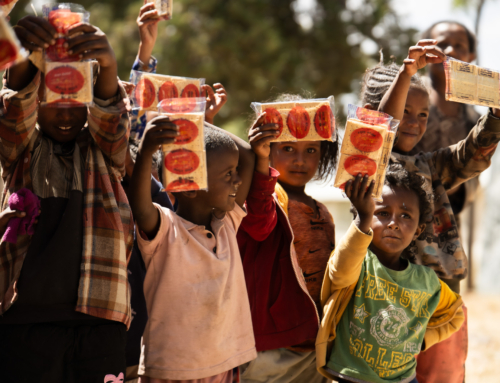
(109, 125)
(17, 121)
(149, 247)
(344, 265)
(160, 197)
(469, 157)
(150, 67)
(261, 216)
(446, 319)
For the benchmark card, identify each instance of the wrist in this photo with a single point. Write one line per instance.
(145, 52)
(405, 72)
(209, 119)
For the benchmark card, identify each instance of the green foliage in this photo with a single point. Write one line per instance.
(257, 48)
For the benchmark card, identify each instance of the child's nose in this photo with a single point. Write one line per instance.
(237, 180)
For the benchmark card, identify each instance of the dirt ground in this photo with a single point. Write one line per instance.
(484, 338)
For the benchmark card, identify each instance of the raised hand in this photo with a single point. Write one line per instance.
(159, 131)
(360, 195)
(215, 100)
(147, 21)
(35, 33)
(260, 136)
(425, 52)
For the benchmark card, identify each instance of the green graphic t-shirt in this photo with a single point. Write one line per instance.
(384, 324)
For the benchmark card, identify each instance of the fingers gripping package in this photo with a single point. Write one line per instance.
(164, 8)
(185, 160)
(470, 84)
(366, 147)
(150, 89)
(304, 120)
(62, 17)
(11, 51)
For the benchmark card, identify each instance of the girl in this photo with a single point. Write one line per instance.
(285, 242)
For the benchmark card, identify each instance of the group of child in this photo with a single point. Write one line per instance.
(243, 282)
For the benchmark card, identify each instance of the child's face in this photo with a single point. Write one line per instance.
(223, 179)
(414, 122)
(395, 221)
(297, 162)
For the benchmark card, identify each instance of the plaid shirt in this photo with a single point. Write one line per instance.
(108, 225)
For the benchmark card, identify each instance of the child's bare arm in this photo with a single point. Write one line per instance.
(393, 102)
(259, 137)
(147, 21)
(159, 131)
(90, 42)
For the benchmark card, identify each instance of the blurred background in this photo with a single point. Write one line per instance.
(261, 48)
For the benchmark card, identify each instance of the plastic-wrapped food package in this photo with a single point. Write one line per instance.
(366, 147)
(470, 84)
(11, 51)
(150, 89)
(62, 17)
(164, 8)
(68, 84)
(7, 5)
(185, 160)
(304, 120)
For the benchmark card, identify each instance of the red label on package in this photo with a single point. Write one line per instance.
(357, 164)
(182, 161)
(188, 131)
(145, 93)
(367, 140)
(191, 91)
(324, 121)
(64, 80)
(182, 185)
(274, 117)
(298, 122)
(5, 2)
(62, 19)
(167, 90)
(372, 116)
(7, 52)
(178, 105)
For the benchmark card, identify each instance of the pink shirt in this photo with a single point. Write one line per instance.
(199, 316)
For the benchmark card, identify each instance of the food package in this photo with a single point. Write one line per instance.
(470, 84)
(62, 17)
(366, 147)
(304, 120)
(68, 84)
(150, 89)
(11, 51)
(7, 5)
(164, 8)
(185, 160)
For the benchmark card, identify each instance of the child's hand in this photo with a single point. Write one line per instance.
(35, 33)
(6, 216)
(215, 100)
(425, 52)
(147, 21)
(259, 137)
(159, 131)
(90, 42)
(360, 195)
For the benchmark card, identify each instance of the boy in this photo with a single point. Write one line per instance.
(199, 325)
(379, 309)
(65, 302)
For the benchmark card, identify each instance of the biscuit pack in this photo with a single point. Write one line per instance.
(366, 147)
(185, 161)
(304, 120)
(11, 51)
(165, 8)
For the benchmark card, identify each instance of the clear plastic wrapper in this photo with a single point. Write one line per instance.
(68, 84)
(467, 83)
(185, 160)
(165, 8)
(304, 120)
(11, 51)
(7, 5)
(151, 88)
(62, 17)
(366, 147)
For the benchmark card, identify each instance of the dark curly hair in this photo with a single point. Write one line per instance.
(398, 176)
(329, 150)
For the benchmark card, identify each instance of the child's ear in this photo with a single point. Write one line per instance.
(190, 194)
(419, 231)
(369, 106)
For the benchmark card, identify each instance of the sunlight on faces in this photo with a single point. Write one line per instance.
(297, 162)
(414, 122)
(395, 221)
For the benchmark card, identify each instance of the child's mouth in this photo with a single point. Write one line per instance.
(64, 127)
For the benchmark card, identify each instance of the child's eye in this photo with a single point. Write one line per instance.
(424, 115)
(311, 150)
(407, 216)
(406, 111)
(288, 149)
(381, 213)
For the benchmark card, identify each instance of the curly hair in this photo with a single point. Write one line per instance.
(398, 176)
(377, 81)
(329, 150)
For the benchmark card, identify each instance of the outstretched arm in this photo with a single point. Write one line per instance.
(147, 21)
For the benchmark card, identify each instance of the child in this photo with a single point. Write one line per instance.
(401, 93)
(379, 309)
(65, 301)
(199, 325)
(285, 242)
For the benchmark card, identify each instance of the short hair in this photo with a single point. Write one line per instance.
(398, 176)
(216, 139)
(134, 149)
(471, 37)
(378, 80)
